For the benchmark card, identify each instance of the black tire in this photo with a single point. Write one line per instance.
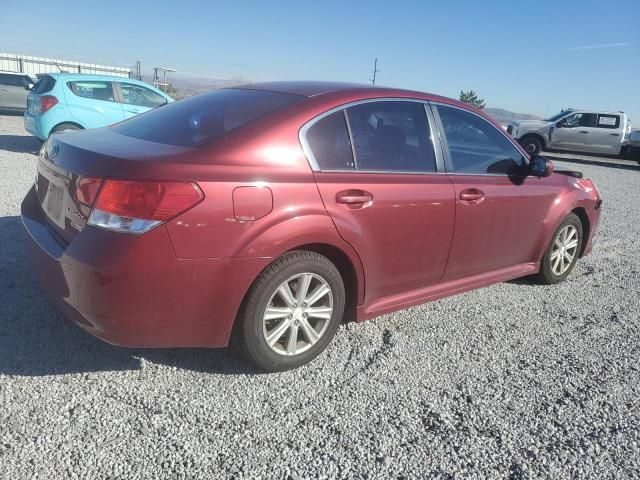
(251, 333)
(63, 127)
(531, 144)
(547, 274)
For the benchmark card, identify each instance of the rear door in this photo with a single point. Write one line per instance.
(377, 172)
(499, 209)
(607, 135)
(13, 91)
(136, 99)
(93, 103)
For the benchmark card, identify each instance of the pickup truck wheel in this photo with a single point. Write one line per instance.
(292, 311)
(531, 144)
(563, 251)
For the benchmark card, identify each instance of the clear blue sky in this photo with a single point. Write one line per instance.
(533, 58)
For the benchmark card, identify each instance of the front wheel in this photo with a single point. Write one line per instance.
(562, 254)
(531, 144)
(292, 311)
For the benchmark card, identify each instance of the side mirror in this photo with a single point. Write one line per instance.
(28, 86)
(540, 166)
(559, 124)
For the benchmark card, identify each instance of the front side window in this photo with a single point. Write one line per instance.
(608, 121)
(580, 120)
(391, 136)
(203, 118)
(476, 146)
(94, 90)
(140, 96)
(328, 139)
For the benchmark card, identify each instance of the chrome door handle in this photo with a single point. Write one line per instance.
(354, 198)
(472, 195)
(3, 90)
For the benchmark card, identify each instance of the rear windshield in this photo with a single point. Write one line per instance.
(44, 84)
(203, 118)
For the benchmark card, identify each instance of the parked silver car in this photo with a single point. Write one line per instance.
(574, 130)
(14, 88)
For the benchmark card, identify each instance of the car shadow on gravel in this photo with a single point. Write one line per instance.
(597, 163)
(20, 143)
(36, 340)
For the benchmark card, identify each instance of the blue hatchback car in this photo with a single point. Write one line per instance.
(66, 101)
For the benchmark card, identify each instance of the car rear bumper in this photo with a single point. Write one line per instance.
(32, 126)
(131, 290)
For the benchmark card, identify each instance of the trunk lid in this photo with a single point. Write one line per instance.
(68, 158)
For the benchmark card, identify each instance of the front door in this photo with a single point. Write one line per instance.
(137, 99)
(499, 209)
(573, 133)
(377, 173)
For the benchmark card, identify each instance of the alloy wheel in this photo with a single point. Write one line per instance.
(297, 314)
(565, 248)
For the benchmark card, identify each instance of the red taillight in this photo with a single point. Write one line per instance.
(87, 190)
(148, 200)
(47, 102)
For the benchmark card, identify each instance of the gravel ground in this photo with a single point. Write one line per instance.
(513, 381)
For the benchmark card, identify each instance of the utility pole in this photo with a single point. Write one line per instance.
(375, 70)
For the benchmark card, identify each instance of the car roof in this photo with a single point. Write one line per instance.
(5, 72)
(90, 76)
(318, 88)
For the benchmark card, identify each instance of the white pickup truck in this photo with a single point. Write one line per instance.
(575, 130)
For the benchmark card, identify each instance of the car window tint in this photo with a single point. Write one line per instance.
(203, 118)
(329, 141)
(391, 136)
(141, 96)
(580, 120)
(608, 121)
(476, 146)
(44, 84)
(11, 80)
(93, 89)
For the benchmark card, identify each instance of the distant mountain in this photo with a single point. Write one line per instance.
(505, 116)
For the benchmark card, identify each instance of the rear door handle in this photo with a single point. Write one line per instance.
(583, 131)
(614, 134)
(472, 195)
(354, 198)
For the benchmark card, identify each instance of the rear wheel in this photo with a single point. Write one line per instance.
(292, 311)
(531, 144)
(562, 254)
(63, 127)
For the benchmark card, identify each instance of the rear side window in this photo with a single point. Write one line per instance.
(391, 136)
(140, 96)
(329, 141)
(12, 80)
(476, 146)
(94, 90)
(203, 118)
(44, 84)
(608, 121)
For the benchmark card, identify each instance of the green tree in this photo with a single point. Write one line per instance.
(471, 98)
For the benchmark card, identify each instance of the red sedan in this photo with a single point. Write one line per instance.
(270, 210)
